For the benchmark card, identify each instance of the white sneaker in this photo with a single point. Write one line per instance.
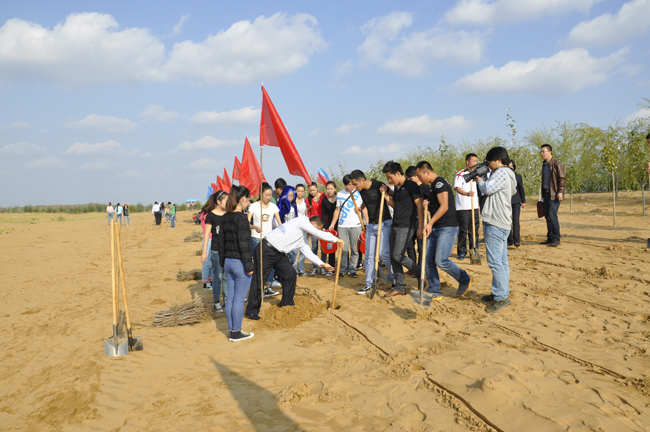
(314, 272)
(240, 336)
(218, 308)
(328, 274)
(275, 284)
(364, 290)
(322, 271)
(268, 292)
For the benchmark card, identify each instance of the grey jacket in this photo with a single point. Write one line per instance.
(499, 188)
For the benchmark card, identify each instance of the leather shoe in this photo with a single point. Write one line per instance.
(394, 293)
(555, 243)
(253, 317)
(548, 241)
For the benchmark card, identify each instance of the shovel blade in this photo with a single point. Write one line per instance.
(475, 256)
(423, 300)
(382, 275)
(116, 346)
(135, 343)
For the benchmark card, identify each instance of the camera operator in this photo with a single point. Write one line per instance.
(497, 219)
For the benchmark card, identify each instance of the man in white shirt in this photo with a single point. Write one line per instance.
(293, 234)
(155, 211)
(349, 225)
(301, 205)
(465, 193)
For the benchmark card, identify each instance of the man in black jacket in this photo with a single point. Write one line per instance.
(518, 202)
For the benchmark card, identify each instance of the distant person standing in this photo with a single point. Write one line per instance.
(172, 215)
(315, 208)
(329, 207)
(466, 192)
(553, 188)
(301, 205)
(518, 202)
(168, 214)
(110, 211)
(280, 184)
(118, 213)
(127, 216)
(155, 211)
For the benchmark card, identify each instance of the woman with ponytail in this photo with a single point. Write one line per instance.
(234, 247)
(212, 270)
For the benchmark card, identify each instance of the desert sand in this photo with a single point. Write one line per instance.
(572, 352)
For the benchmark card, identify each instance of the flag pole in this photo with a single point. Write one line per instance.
(261, 236)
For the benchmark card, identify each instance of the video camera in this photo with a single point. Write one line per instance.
(479, 170)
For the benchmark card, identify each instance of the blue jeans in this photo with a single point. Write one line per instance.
(293, 256)
(254, 242)
(206, 269)
(439, 246)
(118, 217)
(239, 283)
(219, 280)
(551, 207)
(496, 247)
(371, 248)
(168, 217)
(173, 221)
(110, 217)
(127, 220)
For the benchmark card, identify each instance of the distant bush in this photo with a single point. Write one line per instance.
(182, 207)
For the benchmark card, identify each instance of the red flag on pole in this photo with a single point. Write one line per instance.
(236, 170)
(273, 133)
(215, 188)
(220, 185)
(226, 180)
(249, 175)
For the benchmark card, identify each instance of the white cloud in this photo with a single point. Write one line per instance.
(16, 125)
(82, 149)
(86, 49)
(345, 129)
(22, 148)
(375, 150)
(607, 29)
(207, 143)
(139, 153)
(314, 132)
(178, 27)
(411, 53)
(89, 48)
(246, 52)
(48, 161)
(424, 125)
(205, 163)
(158, 113)
(102, 123)
(95, 166)
(131, 174)
(343, 68)
(243, 116)
(567, 71)
(638, 114)
(490, 12)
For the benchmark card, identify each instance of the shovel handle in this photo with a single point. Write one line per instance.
(336, 278)
(119, 259)
(363, 226)
(114, 295)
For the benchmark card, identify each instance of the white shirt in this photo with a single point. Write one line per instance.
(264, 219)
(155, 209)
(463, 202)
(302, 208)
(109, 209)
(294, 235)
(348, 218)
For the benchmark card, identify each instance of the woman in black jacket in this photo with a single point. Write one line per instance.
(237, 259)
(518, 202)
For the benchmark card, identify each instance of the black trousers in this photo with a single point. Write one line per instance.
(464, 218)
(551, 206)
(158, 217)
(514, 237)
(278, 261)
(415, 256)
(481, 202)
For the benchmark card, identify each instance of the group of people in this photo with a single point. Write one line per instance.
(119, 212)
(283, 221)
(160, 211)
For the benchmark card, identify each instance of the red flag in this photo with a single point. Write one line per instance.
(236, 170)
(215, 188)
(220, 185)
(249, 175)
(226, 180)
(273, 133)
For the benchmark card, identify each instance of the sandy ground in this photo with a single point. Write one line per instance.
(570, 354)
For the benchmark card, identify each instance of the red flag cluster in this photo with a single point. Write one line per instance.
(274, 134)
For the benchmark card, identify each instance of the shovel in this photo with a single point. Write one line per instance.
(117, 345)
(378, 271)
(474, 253)
(336, 278)
(420, 296)
(135, 343)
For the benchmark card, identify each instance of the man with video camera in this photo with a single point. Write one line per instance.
(497, 219)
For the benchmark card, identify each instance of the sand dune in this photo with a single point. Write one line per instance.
(572, 352)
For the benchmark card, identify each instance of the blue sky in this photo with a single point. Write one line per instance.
(143, 101)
